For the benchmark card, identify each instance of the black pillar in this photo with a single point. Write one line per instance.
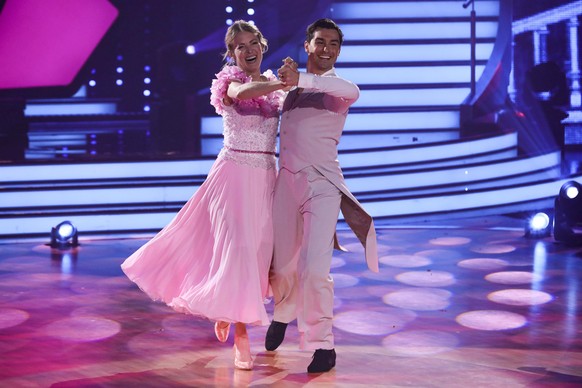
(13, 130)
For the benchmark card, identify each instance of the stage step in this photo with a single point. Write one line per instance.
(141, 207)
(144, 196)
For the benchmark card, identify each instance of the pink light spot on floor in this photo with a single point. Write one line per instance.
(82, 329)
(438, 254)
(383, 247)
(420, 342)
(491, 320)
(352, 293)
(419, 299)
(405, 261)
(12, 317)
(513, 277)
(518, 297)
(494, 249)
(427, 278)
(341, 280)
(354, 247)
(386, 274)
(450, 241)
(365, 322)
(381, 290)
(388, 237)
(337, 262)
(483, 264)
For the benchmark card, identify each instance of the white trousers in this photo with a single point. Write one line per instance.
(305, 211)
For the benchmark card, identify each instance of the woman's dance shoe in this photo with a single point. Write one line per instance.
(221, 329)
(242, 353)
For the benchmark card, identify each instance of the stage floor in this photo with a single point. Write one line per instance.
(456, 303)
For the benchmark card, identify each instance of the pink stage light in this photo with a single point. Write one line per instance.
(45, 43)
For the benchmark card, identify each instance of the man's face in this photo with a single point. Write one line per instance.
(322, 50)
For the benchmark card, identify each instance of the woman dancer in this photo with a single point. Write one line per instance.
(213, 258)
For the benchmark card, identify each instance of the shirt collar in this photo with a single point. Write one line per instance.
(329, 72)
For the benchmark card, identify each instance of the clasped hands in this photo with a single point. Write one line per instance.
(288, 73)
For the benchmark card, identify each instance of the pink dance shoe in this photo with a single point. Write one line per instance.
(221, 329)
(242, 353)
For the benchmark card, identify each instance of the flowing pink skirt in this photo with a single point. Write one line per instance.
(213, 258)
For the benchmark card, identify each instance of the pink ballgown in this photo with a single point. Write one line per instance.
(213, 258)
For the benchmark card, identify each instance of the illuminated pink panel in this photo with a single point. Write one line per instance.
(46, 42)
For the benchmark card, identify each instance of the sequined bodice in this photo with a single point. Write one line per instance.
(249, 131)
(249, 125)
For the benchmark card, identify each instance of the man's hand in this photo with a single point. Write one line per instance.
(289, 61)
(288, 73)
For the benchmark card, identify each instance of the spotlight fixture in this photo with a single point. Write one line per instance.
(64, 235)
(538, 225)
(568, 214)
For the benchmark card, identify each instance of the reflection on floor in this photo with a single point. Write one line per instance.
(475, 303)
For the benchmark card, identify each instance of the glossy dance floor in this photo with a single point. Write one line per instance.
(474, 305)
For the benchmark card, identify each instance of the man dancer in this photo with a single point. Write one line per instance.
(309, 192)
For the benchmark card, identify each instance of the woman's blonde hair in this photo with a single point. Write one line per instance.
(233, 30)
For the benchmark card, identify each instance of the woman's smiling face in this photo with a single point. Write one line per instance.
(248, 52)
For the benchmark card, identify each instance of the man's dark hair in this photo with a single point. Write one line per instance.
(323, 23)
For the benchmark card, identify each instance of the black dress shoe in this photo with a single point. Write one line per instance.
(275, 335)
(323, 361)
